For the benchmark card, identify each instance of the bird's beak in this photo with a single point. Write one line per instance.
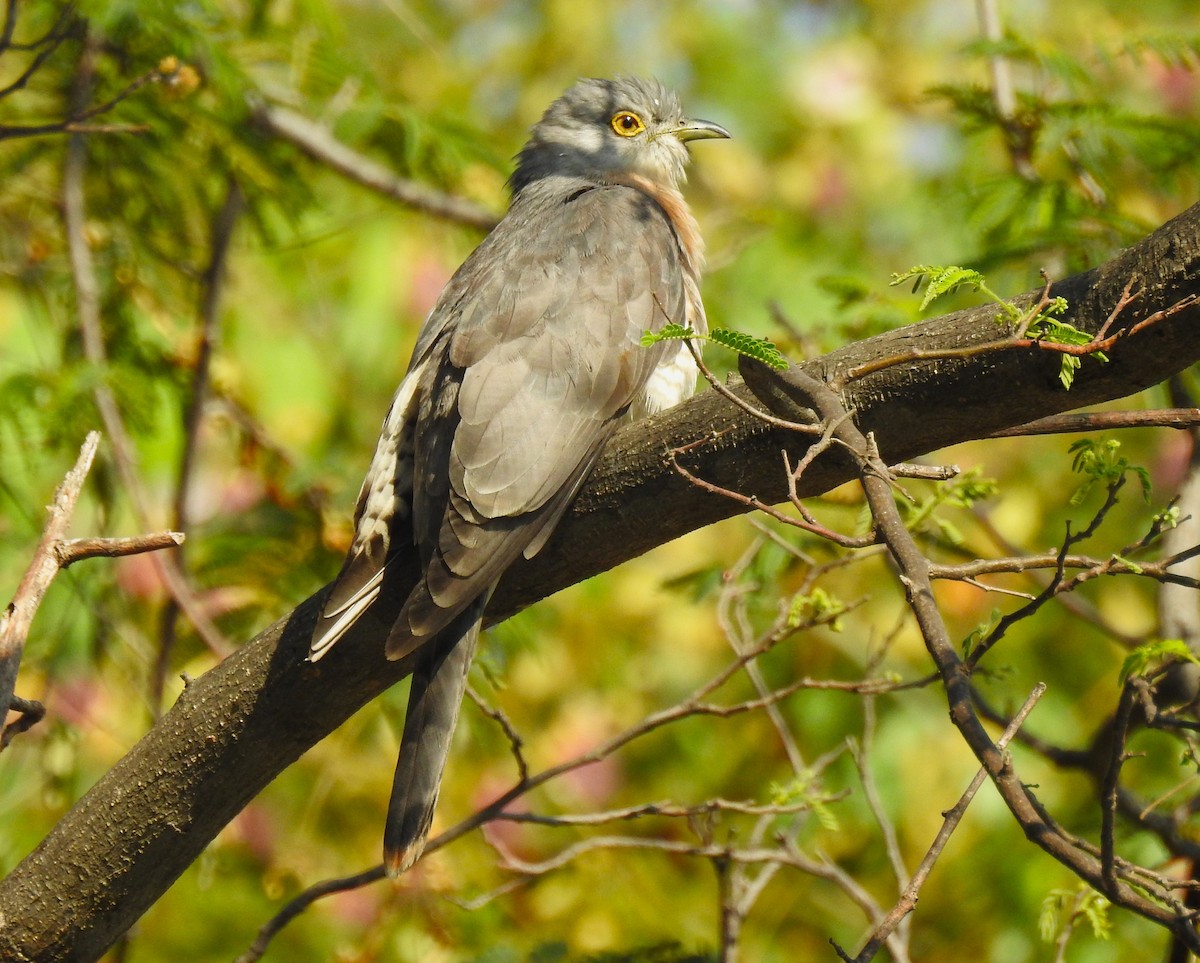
(700, 130)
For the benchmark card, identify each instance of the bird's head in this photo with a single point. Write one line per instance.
(606, 128)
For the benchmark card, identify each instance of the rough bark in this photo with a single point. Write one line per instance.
(236, 727)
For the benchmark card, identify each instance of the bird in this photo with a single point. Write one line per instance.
(528, 362)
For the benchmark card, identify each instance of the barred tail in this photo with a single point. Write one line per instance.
(438, 683)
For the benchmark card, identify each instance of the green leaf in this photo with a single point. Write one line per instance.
(760, 349)
(1133, 566)
(668, 332)
(1167, 519)
(814, 608)
(980, 632)
(1099, 462)
(1148, 658)
(1067, 368)
(1063, 910)
(1051, 913)
(939, 280)
(806, 790)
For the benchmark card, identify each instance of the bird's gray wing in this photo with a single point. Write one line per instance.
(542, 360)
(383, 523)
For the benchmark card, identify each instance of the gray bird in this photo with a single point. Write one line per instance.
(528, 363)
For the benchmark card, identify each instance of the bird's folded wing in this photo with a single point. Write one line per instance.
(545, 356)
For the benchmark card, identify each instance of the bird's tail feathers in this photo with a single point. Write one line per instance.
(438, 684)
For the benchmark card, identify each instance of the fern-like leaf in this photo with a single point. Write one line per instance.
(760, 349)
(668, 332)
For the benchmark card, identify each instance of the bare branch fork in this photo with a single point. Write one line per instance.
(950, 820)
(55, 552)
(237, 726)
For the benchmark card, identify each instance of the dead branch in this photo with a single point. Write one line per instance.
(18, 617)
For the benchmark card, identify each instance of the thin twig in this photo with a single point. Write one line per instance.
(87, 293)
(1056, 582)
(1113, 565)
(45, 46)
(10, 24)
(515, 742)
(1109, 785)
(76, 123)
(74, 550)
(739, 642)
(1095, 346)
(666, 809)
(861, 752)
(211, 284)
(950, 820)
(319, 144)
(677, 847)
(693, 705)
(1074, 422)
(719, 387)
(752, 501)
(914, 573)
(302, 902)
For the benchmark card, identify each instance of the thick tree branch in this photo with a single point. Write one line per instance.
(235, 728)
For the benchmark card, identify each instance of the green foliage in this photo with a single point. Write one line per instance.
(1064, 910)
(760, 349)
(1168, 518)
(807, 790)
(940, 280)
(981, 631)
(817, 607)
(1148, 659)
(1043, 327)
(1038, 322)
(926, 514)
(1074, 142)
(1100, 464)
(669, 332)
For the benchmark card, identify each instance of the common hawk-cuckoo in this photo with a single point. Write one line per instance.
(529, 361)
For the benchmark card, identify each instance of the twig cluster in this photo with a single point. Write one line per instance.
(69, 25)
(1137, 888)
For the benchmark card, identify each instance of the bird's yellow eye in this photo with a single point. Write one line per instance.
(627, 123)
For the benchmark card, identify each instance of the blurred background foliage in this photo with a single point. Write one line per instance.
(867, 139)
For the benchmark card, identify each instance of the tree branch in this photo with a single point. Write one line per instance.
(17, 618)
(319, 144)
